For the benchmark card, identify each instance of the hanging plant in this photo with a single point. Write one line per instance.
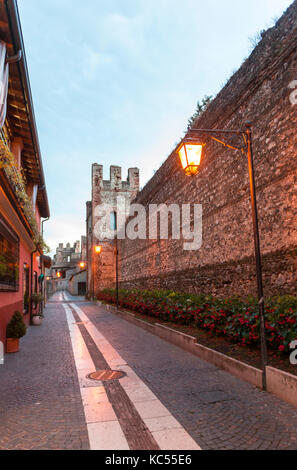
(40, 243)
(8, 164)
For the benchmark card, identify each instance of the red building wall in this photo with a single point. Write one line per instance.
(13, 301)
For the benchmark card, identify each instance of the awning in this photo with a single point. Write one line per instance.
(47, 261)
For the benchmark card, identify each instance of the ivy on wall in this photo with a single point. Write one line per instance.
(17, 180)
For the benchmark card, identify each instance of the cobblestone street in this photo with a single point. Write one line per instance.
(168, 397)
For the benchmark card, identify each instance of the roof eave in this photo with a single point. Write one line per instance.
(18, 43)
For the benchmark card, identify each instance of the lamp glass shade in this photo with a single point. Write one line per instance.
(190, 156)
(98, 249)
(183, 157)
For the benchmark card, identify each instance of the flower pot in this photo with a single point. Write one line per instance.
(12, 345)
(36, 320)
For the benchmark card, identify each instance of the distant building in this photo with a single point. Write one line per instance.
(67, 262)
(77, 283)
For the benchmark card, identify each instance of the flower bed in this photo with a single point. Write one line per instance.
(236, 319)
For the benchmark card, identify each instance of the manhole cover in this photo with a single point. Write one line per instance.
(105, 375)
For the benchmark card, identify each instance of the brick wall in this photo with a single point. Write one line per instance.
(259, 92)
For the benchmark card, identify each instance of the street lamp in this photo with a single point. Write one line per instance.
(191, 152)
(82, 265)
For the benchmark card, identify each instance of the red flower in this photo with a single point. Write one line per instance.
(281, 347)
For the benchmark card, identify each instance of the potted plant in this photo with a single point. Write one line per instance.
(37, 319)
(37, 299)
(15, 330)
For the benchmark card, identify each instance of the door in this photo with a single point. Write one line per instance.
(81, 288)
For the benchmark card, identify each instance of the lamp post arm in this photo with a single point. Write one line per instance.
(209, 132)
(219, 131)
(228, 145)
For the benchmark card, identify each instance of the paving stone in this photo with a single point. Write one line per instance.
(208, 402)
(40, 403)
(41, 406)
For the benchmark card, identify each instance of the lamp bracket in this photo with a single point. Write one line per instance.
(14, 59)
(209, 132)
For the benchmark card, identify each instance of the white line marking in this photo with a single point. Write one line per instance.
(102, 436)
(171, 436)
(104, 430)
(97, 406)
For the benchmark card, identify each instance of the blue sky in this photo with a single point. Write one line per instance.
(114, 82)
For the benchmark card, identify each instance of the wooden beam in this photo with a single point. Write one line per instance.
(4, 26)
(13, 91)
(19, 117)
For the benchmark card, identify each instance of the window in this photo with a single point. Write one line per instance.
(113, 221)
(9, 258)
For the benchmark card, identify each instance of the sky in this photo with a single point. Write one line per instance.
(114, 82)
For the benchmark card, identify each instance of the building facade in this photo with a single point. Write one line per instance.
(77, 283)
(101, 267)
(23, 195)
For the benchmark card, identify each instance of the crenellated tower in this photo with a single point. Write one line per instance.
(101, 269)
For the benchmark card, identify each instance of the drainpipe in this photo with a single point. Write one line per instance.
(45, 220)
(15, 58)
(88, 255)
(42, 266)
(31, 282)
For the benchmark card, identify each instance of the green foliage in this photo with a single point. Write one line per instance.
(284, 303)
(201, 107)
(8, 164)
(37, 298)
(16, 328)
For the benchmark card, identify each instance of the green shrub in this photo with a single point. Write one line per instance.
(16, 328)
(284, 303)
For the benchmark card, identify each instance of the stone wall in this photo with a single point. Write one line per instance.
(260, 93)
(75, 280)
(101, 268)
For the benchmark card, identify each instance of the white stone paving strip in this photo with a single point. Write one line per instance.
(166, 430)
(104, 430)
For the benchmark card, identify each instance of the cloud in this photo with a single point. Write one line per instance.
(63, 229)
(94, 62)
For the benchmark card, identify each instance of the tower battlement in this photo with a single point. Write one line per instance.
(105, 191)
(115, 182)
